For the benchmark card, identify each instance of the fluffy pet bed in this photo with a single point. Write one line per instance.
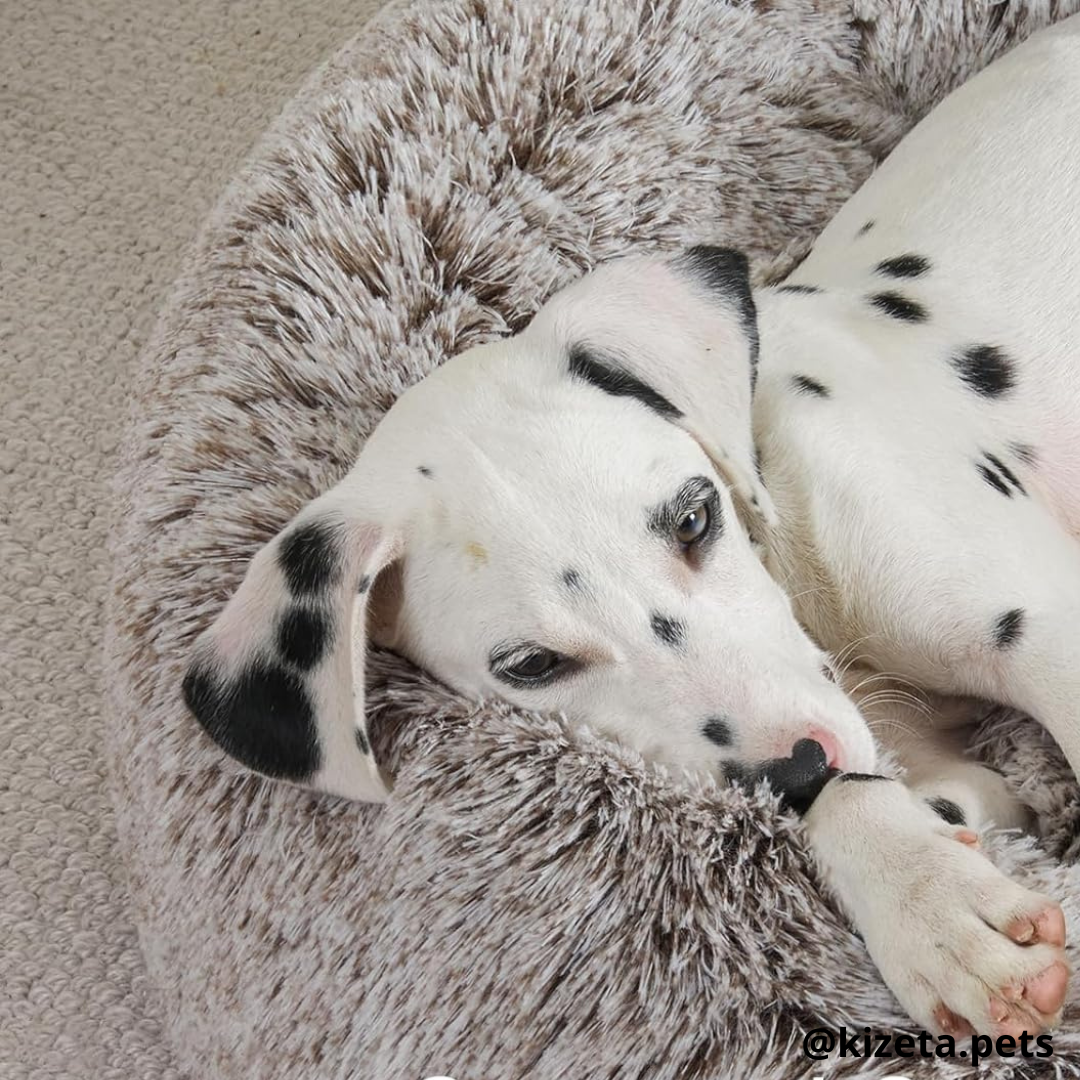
(532, 902)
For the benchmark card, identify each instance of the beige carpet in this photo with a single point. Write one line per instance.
(119, 122)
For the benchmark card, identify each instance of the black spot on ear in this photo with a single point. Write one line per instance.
(1008, 628)
(571, 579)
(423, 470)
(801, 290)
(726, 272)
(309, 558)
(861, 777)
(865, 228)
(587, 365)
(303, 636)
(947, 810)
(363, 585)
(717, 730)
(1024, 452)
(670, 631)
(803, 384)
(986, 369)
(361, 741)
(898, 306)
(904, 266)
(263, 717)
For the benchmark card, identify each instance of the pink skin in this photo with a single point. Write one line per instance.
(828, 742)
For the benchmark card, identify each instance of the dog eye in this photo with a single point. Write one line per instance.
(693, 527)
(534, 665)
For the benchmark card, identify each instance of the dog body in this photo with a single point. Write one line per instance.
(573, 520)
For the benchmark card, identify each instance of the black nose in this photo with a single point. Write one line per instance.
(798, 779)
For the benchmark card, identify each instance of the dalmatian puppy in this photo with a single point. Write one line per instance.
(673, 507)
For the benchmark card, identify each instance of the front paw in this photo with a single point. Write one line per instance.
(964, 949)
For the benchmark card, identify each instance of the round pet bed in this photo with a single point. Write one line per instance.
(532, 902)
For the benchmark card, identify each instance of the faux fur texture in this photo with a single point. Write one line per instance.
(532, 902)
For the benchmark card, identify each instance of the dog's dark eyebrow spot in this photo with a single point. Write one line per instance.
(423, 470)
(362, 743)
(571, 579)
(947, 810)
(802, 290)
(727, 272)
(898, 306)
(308, 557)
(986, 369)
(865, 228)
(1008, 628)
(670, 631)
(587, 365)
(1025, 452)
(303, 636)
(263, 716)
(803, 384)
(861, 777)
(904, 266)
(717, 730)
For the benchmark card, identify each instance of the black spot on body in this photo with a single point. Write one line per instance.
(994, 480)
(1006, 472)
(362, 743)
(423, 470)
(309, 558)
(670, 631)
(803, 384)
(947, 810)
(904, 266)
(604, 374)
(898, 306)
(263, 717)
(759, 464)
(1008, 628)
(303, 636)
(986, 369)
(1024, 452)
(865, 228)
(571, 579)
(726, 272)
(363, 584)
(999, 476)
(799, 290)
(717, 730)
(861, 777)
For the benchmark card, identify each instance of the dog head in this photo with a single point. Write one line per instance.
(565, 519)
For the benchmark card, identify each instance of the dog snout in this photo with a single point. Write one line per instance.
(798, 779)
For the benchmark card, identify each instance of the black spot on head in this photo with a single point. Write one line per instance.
(1008, 628)
(423, 470)
(362, 743)
(904, 266)
(363, 585)
(1006, 472)
(1024, 452)
(947, 810)
(735, 773)
(800, 290)
(571, 579)
(803, 384)
(263, 717)
(670, 631)
(861, 777)
(726, 272)
(303, 635)
(999, 476)
(865, 228)
(309, 558)
(604, 374)
(717, 730)
(898, 306)
(994, 480)
(986, 369)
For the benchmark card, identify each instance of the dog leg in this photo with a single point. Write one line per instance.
(961, 946)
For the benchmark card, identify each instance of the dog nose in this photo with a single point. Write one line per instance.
(830, 744)
(798, 779)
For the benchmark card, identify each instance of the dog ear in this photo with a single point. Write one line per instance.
(680, 335)
(278, 680)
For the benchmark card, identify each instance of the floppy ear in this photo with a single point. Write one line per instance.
(278, 680)
(679, 335)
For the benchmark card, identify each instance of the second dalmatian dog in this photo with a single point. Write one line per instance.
(574, 520)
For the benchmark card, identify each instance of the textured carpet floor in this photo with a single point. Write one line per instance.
(119, 122)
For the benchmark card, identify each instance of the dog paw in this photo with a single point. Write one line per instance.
(964, 949)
